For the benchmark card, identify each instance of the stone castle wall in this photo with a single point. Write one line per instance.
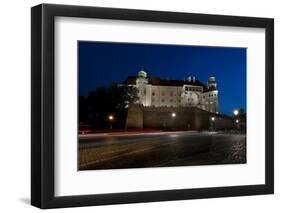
(186, 118)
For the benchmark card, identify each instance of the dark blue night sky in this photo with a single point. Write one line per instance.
(101, 63)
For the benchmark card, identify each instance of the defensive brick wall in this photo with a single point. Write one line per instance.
(186, 118)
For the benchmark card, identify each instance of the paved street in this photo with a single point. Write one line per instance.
(139, 150)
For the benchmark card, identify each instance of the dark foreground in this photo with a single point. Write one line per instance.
(140, 150)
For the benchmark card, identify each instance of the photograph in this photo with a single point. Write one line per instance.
(160, 105)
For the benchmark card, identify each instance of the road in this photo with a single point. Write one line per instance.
(140, 150)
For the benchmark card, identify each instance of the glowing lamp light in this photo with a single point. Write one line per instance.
(235, 112)
(213, 118)
(110, 117)
(173, 114)
(237, 121)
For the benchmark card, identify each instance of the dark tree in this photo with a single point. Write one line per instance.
(121, 96)
(83, 109)
(111, 101)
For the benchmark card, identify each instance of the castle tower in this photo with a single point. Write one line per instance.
(141, 84)
(211, 95)
(142, 78)
(212, 85)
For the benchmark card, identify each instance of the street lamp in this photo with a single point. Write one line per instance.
(173, 114)
(237, 124)
(212, 128)
(110, 118)
(236, 117)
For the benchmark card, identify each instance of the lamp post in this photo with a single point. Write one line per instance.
(212, 123)
(237, 121)
(173, 120)
(110, 118)
(236, 118)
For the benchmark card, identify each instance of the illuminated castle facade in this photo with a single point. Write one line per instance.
(189, 92)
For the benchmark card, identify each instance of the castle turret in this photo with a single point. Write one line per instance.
(142, 78)
(211, 96)
(144, 89)
(212, 85)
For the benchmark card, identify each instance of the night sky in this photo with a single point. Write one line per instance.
(102, 63)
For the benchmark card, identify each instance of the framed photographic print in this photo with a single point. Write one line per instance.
(139, 106)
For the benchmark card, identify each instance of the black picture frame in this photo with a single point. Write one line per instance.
(43, 117)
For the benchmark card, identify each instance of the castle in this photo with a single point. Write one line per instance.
(190, 92)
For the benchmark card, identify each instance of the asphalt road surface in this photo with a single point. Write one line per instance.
(160, 149)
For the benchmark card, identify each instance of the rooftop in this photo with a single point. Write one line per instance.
(161, 82)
